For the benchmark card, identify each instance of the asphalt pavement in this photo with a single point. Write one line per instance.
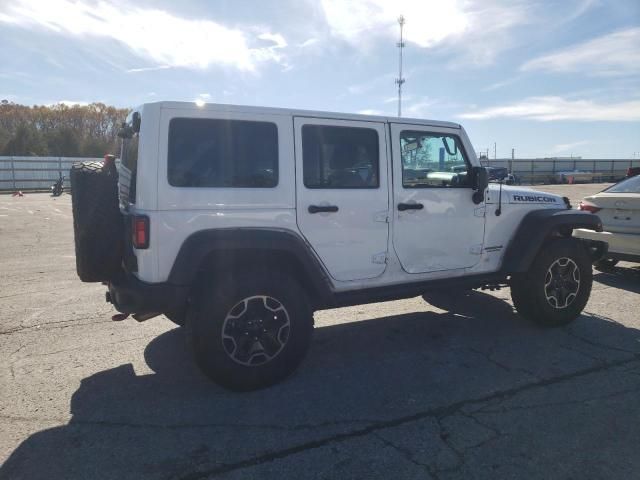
(457, 388)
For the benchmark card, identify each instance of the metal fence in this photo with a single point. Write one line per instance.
(548, 170)
(39, 173)
(35, 173)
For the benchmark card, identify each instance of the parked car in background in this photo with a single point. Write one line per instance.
(619, 209)
(497, 173)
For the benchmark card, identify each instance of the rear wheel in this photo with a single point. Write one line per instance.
(557, 286)
(251, 332)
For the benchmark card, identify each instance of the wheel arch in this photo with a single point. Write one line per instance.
(223, 250)
(539, 226)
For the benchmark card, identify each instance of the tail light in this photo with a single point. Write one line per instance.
(109, 160)
(588, 207)
(140, 231)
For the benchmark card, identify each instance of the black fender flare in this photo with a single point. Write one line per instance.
(536, 227)
(233, 241)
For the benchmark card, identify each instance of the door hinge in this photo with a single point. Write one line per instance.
(381, 217)
(480, 211)
(379, 258)
(476, 249)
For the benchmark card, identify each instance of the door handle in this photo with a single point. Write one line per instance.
(410, 206)
(322, 208)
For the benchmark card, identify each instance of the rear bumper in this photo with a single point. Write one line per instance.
(619, 243)
(128, 294)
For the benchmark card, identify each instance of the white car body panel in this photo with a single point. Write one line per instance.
(347, 240)
(620, 215)
(463, 243)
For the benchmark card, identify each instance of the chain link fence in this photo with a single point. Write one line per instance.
(550, 170)
(35, 173)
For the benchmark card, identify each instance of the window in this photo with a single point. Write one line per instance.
(222, 153)
(432, 160)
(340, 157)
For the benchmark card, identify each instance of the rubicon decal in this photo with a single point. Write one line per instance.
(533, 198)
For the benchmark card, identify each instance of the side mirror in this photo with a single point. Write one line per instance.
(480, 182)
(450, 151)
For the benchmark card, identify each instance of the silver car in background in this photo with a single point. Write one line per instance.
(619, 209)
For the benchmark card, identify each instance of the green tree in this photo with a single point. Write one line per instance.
(27, 140)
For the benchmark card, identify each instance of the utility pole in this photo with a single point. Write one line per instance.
(494, 151)
(400, 80)
(513, 156)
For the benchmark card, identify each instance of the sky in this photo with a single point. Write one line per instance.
(546, 78)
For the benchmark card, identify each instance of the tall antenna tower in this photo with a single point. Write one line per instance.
(400, 80)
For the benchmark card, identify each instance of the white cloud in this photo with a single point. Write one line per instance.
(432, 21)
(565, 147)
(582, 7)
(309, 42)
(617, 53)
(557, 108)
(478, 29)
(69, 103)
(153, 34)
(370, 111)
(419, 108)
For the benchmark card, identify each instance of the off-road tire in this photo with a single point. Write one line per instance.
(97, 221)
(529, 291)
(214, 303)
(605, 264)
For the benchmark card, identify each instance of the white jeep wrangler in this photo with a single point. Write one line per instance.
(240, 222)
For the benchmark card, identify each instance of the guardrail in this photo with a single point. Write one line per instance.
(35, 173)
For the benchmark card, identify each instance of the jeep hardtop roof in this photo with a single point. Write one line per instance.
(221, 107)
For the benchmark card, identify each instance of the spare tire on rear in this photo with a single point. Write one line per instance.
(98, 225)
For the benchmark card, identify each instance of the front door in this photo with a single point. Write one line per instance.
(342, 194)
(437, 226)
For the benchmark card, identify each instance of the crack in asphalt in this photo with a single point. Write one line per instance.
(436, 412)
(405, 453)
(573, 334)
(489, 356)
(181, 426)
(53, 325)
(489, 411)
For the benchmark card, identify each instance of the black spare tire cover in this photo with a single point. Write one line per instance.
(97, 222)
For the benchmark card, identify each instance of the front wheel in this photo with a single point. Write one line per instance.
(251, 332)
(557, 286)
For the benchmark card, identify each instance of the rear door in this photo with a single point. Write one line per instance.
(342, 194)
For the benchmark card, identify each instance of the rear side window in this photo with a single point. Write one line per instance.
(629, 185)
(340, 157)
(222, 153)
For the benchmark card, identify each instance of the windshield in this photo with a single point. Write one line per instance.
(629, 185)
